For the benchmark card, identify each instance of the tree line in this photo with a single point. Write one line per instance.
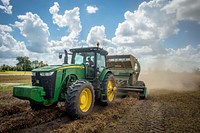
(24, 64)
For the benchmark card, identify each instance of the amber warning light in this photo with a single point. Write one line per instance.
(97, 44)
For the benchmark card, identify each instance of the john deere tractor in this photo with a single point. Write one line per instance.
(87, 79)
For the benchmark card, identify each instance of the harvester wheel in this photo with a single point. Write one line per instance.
(110, 89)
(140, 83)
(143, 95)
(80, 99)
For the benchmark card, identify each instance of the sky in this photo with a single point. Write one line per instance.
(162, 34)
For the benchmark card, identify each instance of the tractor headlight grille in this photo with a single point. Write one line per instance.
(46, 73)
(47, 81)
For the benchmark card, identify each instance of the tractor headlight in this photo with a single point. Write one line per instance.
(33, 73)
(46, 73)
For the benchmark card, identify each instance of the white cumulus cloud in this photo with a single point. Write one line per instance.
(6, 6)
(97, 34)
(9, 46)
(69, 19)
(183, 59)
(147, 25)
(184, 9)
(92, 9)
(35, 31)
(65, 42)
(5, 28)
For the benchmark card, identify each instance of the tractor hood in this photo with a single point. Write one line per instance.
(46, 68)
(57, 67)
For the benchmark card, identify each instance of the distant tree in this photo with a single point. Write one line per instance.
(3, 68)
(11, 68)
(19, 68)
(7, 68)
(41, 64)
(37, 64)
(34, 64)
(24, 62)
(14, 68)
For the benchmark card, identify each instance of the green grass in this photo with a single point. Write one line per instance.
(10, 87)
(17, 72)
(19, 79)
(6, 88)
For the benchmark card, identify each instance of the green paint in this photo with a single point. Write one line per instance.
(35, 93)
(103, 73)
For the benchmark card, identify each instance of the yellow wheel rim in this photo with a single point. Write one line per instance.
(111, 90)
(85, 100)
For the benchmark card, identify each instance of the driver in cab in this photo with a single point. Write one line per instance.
(91, 63)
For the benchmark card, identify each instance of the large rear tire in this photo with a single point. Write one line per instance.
(110, 89)
(80, 99)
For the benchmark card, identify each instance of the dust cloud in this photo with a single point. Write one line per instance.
(168, 80)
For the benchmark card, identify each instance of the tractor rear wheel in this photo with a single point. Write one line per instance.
(80, 99)
(110, 89)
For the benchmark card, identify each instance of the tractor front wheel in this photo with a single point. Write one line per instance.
(80, 99)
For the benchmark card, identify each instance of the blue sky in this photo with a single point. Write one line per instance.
(160, 33)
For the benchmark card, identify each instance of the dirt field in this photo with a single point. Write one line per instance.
(173, 105)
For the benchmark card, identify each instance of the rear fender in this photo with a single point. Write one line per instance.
(103, 74)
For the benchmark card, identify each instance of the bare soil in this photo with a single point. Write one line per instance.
(169, 108)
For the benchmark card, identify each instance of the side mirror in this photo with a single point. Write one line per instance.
(65, 58)
(60, 55)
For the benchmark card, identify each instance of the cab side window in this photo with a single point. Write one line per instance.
(100, 62)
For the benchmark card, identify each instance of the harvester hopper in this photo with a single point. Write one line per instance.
(126, 70)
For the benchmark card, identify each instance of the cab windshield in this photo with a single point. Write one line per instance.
(83, 57)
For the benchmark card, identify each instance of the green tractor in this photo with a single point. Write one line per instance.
(79, 84)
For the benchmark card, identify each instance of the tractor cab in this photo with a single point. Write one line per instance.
(93, 58)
